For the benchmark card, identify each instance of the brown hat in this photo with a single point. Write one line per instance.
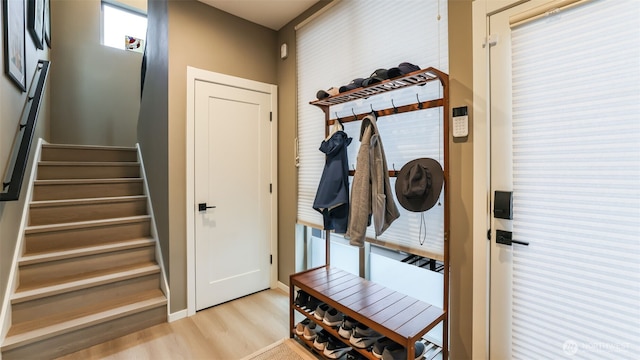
(418, 184)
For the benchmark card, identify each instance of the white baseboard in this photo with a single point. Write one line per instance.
(177, 315)
(282, 286)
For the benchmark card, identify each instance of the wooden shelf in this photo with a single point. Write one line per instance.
(418, 77)
(397, 316)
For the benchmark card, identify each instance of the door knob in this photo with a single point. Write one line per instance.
(204, 207)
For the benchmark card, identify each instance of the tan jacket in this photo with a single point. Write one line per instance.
(371, 190)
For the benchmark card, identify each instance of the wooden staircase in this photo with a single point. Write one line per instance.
(88, 271)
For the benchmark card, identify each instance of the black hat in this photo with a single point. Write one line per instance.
(376, 77)
(402, 69)
(354, 84)
(419, 183)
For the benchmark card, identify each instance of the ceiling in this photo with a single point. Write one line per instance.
(273, 14)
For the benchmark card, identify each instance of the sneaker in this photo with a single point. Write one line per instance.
(346, 328)
(300, 326)
(398, 352)
(335, 348)
(311, 331)
(301, 299)
(321, 340)
(380, 345)
(320, 311)
(363, 337)
(312, 304)
(354, 355)
(332, 317)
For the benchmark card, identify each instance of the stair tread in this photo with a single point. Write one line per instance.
(96, 147)
(36, 258)
(85, 181)
(27, 333)
(37, 291)
(80, 224)
(88, 163)
(66, 202)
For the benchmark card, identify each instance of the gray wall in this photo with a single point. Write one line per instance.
(205, 38)
(153, 120)
(12, 101)
(95, 89)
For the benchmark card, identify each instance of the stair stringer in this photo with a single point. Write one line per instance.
(164, 284)
(12, 285)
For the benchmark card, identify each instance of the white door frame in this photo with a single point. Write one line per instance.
(481, 10)
(193, 75)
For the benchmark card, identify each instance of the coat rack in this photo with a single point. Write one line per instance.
(318, 281)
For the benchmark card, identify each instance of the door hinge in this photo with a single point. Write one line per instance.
(270, 116)
(489, 234)
(270, 259)
(270, 188)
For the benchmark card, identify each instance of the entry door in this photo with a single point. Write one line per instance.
(574, 291)
(233, 178)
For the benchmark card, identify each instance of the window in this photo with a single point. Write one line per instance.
(119, 22)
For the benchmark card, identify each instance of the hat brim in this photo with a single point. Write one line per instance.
(437, 179)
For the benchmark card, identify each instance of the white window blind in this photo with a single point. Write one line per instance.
(351, 40)
(576, 168)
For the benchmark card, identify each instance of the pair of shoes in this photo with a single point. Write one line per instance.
(301, 299)
(398, 352)
(311, 331)
(299, 330)
(321, 340)
(363, 336)
(380, 345)
(335, 348)
(306, 301)
(332, 317)
(347, 327)
(320, 311)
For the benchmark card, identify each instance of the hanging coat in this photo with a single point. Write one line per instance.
(371, 191)
(332, 197)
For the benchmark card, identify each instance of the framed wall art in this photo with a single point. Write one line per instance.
(35, 22)
(14, 42)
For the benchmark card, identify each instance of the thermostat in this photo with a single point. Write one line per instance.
(460, 122)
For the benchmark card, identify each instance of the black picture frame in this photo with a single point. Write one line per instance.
(15, 63)
(47, 22)
(35, 22)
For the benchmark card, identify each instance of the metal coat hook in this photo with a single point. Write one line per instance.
(355, 117)
(419, 102)
(395, 172)
(395, 109)
(353, 167)
(375, 113)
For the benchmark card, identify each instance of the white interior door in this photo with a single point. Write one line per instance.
(233, 178)
(574, 292)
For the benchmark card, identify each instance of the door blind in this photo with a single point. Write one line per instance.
(351, 40)
(576, 169)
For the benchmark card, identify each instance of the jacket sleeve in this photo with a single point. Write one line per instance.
(360, 193)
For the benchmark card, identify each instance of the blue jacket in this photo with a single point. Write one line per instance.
(332, 197)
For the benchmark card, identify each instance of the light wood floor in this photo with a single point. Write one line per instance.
(224, 332)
